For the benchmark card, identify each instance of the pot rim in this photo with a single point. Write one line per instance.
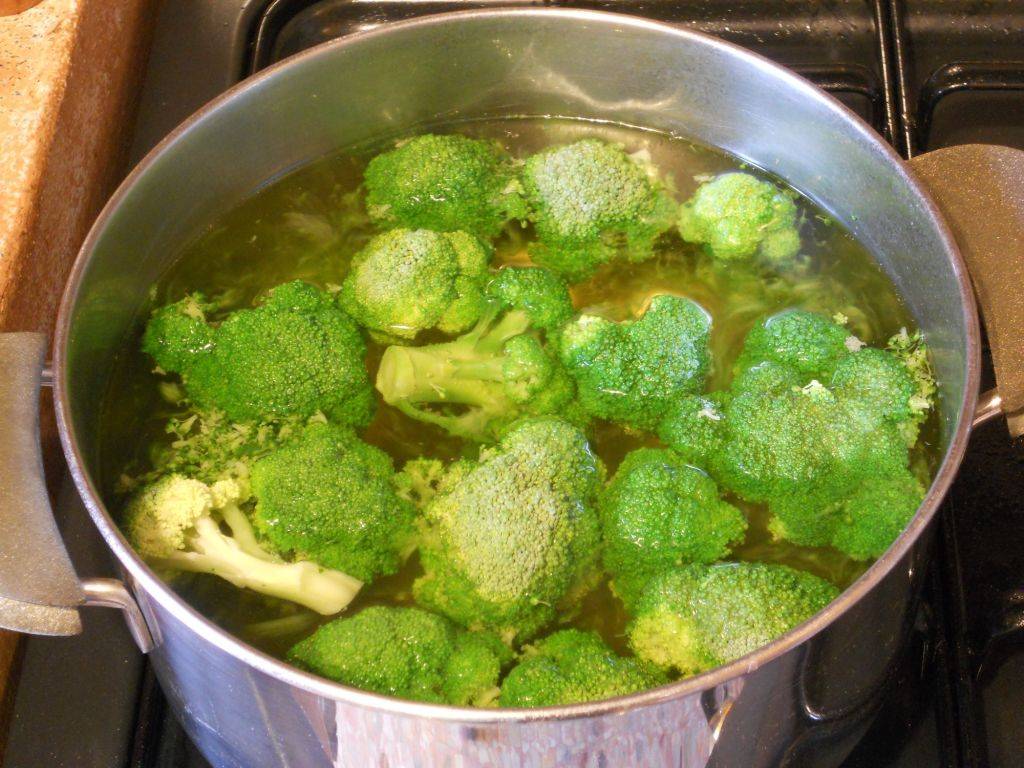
(143, 577)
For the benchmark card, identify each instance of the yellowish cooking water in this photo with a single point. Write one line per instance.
(309, 224)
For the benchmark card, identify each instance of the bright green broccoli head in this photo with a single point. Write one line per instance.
(479, 383)
(406, 281)
(406, 652)
(329, 496)
(659, 512)
(804, 451)
(295, 354)
(631, 372)
(737, 216)
(541, 294)
(807, 446)
(697, 617)
(178, 524)
(445, 183)
(571, 667)
(178, 333)
(590, 202)
(514, 542)
(809, 343)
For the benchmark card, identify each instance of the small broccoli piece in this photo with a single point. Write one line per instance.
(207, 446)
(406, 281)
(445, 183)
(177, 333)
(329, 496)
(690, 426)
(176, 524)
(809, 343)
(737, 216)
(419, 480)
(877, 382)
(590, 203)
(514, 542)
(911, 350)
(542, 295)
(572, 667)
(876, 514)
(810, 448)
(406, 652)
(658, 512)
(477, 384)
(295, 354)
(697, 617)
(631, 372)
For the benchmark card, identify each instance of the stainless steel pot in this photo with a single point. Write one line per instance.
(769, 708)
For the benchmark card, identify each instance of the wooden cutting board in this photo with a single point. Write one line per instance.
(69, 72)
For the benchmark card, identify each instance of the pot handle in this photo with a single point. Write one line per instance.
(40, 593)
(980, 191)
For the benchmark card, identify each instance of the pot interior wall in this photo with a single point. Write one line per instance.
(530, 63)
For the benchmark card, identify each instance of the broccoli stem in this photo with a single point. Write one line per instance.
(303, 582)
(466, 371)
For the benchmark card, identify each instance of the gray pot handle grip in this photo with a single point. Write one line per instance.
(980, 190)
(40, 593)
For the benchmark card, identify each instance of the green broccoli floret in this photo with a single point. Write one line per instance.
(177, 524)
(590, 203)
(295, 354)
(477, 384)
(419, 480)
(571, 667)
(658, 512)
(809, 343)
(514, 542)
(445, 183)
(631, 372)
(406, 652)
(690, 426)
(697, 617)
(808, 449)
(406, 281)
(542, 295)
(329, 496)
(737, 216)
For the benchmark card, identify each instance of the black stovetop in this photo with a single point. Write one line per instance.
(925, 74)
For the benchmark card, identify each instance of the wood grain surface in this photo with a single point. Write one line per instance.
(69, 73)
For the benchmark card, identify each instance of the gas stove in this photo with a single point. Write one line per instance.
(925, 74)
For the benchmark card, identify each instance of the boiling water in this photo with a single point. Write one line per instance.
(309, 224)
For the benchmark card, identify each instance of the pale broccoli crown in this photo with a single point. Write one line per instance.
(590, 202)
(659, 512)
(406, 281)
(572, 667)
(476, 385)
(812, 418)
(295, 354)
(514, 542)
(406, 652)
(445, 183)
(697, 617)
(329, 496)
(631, 372)
(538, 292)
(177, 525)
(737, 216)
